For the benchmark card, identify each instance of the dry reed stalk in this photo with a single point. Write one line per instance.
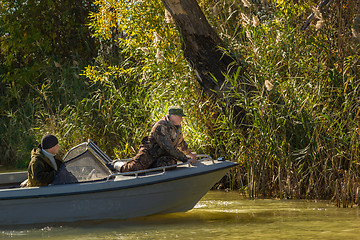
(245, 19)
(246, 3)
(256, 21)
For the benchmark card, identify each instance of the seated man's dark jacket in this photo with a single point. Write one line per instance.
(41, 171)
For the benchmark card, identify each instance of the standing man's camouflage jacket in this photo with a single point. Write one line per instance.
(164, 145)
(166, 139)
(41, 171)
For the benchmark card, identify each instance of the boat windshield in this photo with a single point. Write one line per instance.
(83, 167)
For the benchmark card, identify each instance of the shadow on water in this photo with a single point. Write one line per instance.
(139, 228)
(189, 218)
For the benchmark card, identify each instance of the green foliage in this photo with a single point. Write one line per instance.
(42, 47)
(145, 74)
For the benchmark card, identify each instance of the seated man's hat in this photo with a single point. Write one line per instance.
(175, 110)
(48, 141)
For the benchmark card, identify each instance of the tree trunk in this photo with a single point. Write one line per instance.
(202, 48)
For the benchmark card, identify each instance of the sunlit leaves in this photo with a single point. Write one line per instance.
(130, 22)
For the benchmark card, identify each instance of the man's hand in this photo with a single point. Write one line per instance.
(193, 158)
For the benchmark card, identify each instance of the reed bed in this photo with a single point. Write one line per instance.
(301, 137)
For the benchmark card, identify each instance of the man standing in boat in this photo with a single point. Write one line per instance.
(164, 145)
(44, 163)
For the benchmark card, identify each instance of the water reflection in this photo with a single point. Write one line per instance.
(219, 215)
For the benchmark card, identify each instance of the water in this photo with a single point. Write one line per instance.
(219, 215)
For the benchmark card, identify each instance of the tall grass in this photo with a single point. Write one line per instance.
(301, 138)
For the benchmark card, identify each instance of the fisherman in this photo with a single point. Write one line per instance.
(163, 146)
(44, 163)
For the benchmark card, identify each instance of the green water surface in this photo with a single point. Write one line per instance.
(219, 215)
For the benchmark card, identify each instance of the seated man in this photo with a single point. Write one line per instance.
(164, 145)
(44, 163)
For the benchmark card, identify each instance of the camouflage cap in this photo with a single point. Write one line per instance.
(175, 110)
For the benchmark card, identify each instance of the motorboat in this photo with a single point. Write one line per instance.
(88, 188)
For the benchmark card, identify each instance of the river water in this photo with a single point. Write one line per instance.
(219, 215)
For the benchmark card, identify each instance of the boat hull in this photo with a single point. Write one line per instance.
(124, 197)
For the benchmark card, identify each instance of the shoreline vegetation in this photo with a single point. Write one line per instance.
(105, 71)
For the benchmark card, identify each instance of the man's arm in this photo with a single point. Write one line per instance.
(183, 146)
(40, 173)
(163, 139)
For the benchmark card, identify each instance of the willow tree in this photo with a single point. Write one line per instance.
(137, 24)
(205, 51)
